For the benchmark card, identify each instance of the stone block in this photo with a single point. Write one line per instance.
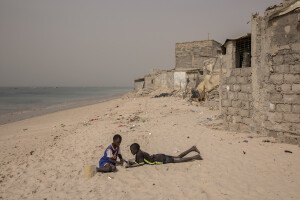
(244, 113)
(235, 72)
(275, 117)
(246, 88)
(277, 60)
(276, 78)
(246, 71)
(224, 95)
(291, 117)
(245, 105)
(236, 88)
(271, 88)
(295, 128)
(295, 69)
(241, 80)
(232, 80)
(272, 107)
(233, 111)
(276, 98)
(242, 96)
(292, 78)
(244, 128)
(281, 69)
(286, 87)
(224, 110)
(232, 95)
(277, 126)
(283, 108)
(236, 119)
(291, 98)
(247, 120)
(233, 126)
(296, 88)
(228, 118)
(296, 108)
(226, 103)
(236, 103)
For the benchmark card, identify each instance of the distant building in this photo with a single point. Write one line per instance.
(193, 55)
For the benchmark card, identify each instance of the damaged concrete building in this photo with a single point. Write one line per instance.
(258, 74)
(190, 61)
(263, 94)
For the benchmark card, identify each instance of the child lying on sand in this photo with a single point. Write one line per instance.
(108, 162)
(142, 157)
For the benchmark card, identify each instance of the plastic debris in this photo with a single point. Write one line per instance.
(25, 129)
(246, 141)
(194, 110)
(120, 125)
(100, 146)
(143, 121)
(74, 132)
(31, 152)
(266, 141)
(209, 119)
(93, 119)
(287, 151)
(150, 133)
(62, 125)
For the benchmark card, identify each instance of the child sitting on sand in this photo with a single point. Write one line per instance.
(108, 162)
(142, 157)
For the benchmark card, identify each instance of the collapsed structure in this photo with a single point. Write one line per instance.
(258, 74)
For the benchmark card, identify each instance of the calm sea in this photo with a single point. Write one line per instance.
(25, 102)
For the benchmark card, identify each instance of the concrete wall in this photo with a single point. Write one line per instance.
(159, 80)
(277, 75)
(138, 85)
(266, 97)
(237, 100)
(194, 54)
(179, 80)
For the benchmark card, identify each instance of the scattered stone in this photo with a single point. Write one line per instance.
(31, 152)
(246, 141)
(287, 151)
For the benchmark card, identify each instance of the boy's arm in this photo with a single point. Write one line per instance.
(121, 158)
(116, 162)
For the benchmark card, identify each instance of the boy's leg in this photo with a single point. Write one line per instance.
(107, 168)
(179, 160)
(193, 148)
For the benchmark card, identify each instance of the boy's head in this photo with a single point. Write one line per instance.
(134, 148)
(117, 139)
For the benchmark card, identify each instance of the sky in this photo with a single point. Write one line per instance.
(84, 43)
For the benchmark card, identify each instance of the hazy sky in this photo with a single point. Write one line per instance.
(108, 43)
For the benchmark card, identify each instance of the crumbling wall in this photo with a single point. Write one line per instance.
(164, 80)
(236, 99)
(265, 98)
(282, 116)
(138, 85)
(194, 54)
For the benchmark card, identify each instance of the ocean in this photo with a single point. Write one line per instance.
(25, 102)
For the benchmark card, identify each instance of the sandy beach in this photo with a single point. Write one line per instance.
(44, 157)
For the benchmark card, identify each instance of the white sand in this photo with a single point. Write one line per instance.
(55, 168)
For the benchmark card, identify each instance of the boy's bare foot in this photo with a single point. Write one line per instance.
(199, 157)
(196, 149)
